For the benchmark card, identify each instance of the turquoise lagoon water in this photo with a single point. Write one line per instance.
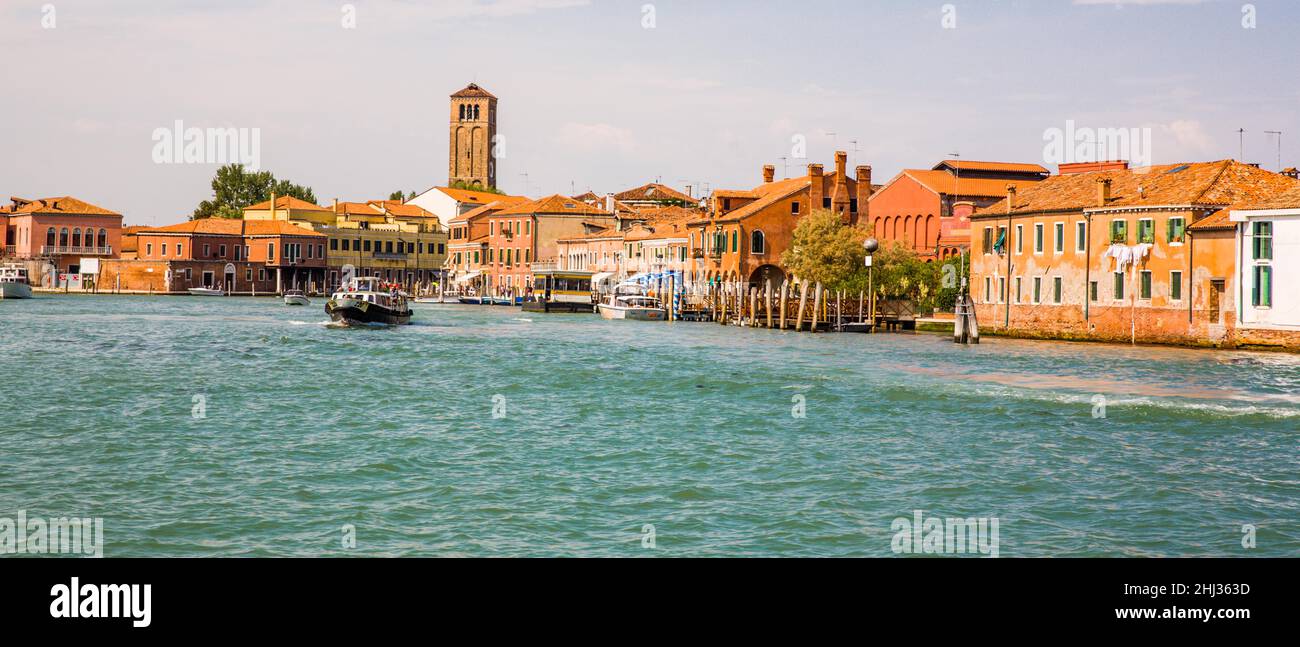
(607, 428)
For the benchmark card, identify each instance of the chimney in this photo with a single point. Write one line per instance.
(273, 205)
(863, 179)
(1103, 191)
(1292, 173)
(769, 174)
(815, 189)
(609, 203)
(336, 206)
(1011, 197)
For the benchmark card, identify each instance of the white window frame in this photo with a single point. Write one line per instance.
(1040, 237)
(1058, 245)
(1172, 283)
(1081, 236)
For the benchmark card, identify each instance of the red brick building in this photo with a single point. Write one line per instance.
(238, 256)
(58, 235)
(929, 210)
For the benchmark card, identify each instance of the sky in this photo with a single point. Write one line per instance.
(609, 94)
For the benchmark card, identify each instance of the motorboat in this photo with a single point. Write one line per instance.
(14, 283)
(296, 298)
(635, 305)
(207, 292)
(363, 301)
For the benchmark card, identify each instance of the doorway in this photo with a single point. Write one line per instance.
(1216, 299)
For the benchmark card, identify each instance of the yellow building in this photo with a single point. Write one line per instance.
(400, 243)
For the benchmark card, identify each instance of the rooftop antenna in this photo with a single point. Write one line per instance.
(1279, 147)
(785, 172)
(526, 183)
(835, 143)
(1241, 144)
(855, 150)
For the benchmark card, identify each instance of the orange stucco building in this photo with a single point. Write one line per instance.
(58, 235)
(1117, 255)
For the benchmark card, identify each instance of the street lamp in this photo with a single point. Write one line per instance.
(870, 245)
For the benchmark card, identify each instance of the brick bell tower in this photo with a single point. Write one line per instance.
(471, 158)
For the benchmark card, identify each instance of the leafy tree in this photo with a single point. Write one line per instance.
(234, 188)
(398, 195)
(466, 186)
(824, 250)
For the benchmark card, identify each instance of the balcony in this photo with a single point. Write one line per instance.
(390, 256)
(53, 250)
(9, 250)
(697, 253)
(715, 253)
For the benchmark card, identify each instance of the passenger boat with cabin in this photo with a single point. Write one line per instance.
(363, 301)
(14, 283)
(630, 301)
(556, 290)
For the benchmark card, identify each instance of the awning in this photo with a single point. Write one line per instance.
(600, 277)
(468, 277)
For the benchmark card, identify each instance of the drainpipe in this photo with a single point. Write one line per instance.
(1087, 271)
(1191, 278)
(1011, 196)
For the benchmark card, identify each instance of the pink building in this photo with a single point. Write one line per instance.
(61, 232)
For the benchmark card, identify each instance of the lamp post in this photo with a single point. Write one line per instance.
(870, 245)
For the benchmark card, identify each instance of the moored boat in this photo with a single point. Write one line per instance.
(207, 292)
(14, 283)
(635, 305)
(362, 301)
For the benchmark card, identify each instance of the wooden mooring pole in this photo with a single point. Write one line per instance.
(803, 300)
(817, 305)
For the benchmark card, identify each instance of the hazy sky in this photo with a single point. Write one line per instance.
(591, 98)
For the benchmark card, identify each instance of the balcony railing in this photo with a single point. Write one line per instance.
(82, 251)
(697, 253)
(390, 256)
(9, 250)
(715, 253)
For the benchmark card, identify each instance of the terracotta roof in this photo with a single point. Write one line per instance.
(473, 90)
(588, 197)
(1009, 167)
(653, 191)
(65, 204)
(399, 208)
(286, 202)
(356, 209)
(949, 184)
(554, 204)
(778, 192)
(232, 227)
(476, 212)
(606, 232)
(478, 197)
(1220, 183)
(1289, 199)
(1216, 220)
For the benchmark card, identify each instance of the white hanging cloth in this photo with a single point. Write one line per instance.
(1125, 255)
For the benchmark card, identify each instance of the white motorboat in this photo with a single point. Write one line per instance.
(207, 292)
(296, 298)
(636, 306)
(14, 283)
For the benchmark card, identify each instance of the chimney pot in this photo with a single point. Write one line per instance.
(1011, 197)
(769, 173)
(1103, 191)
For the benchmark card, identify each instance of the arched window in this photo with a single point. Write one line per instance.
(76, 237)
(49, 237)
(735, 242)
(462, 112)
(757, 243)
(103, 239)
(476, 117)
(63, 237)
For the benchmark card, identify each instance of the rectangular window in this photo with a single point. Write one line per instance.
(1144, 284)
(164, 249)
(207, 251)
(1119, 231)
(1038, 238)
(794, 208)
(988, 290)
(148, 249)
(826, 203)
(1038, 289)
(1119, 286)
(988, 240)
(1174, 229)
(346, 244)
(1081, 236)
(366, 245)
(1146, 231)
(309, 252)
(1058, 233)
(223, 251)
(1057, 288)
(180, 249)
(334, 244)
(1002, 290)
(1175, 286)
(1262, 241)
(1092, 291)
(442, 248)
(1020, 239)
(270, 252)
(1261, 293)
(1018, 291)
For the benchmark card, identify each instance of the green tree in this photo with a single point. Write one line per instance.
(399, 196)
(824, 250)
(234, 188)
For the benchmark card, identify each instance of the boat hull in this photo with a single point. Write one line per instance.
(297, 300)
(362, 313)
(634, 314)
(15, 291)
(206, 292)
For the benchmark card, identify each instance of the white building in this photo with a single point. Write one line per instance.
(1268, 260)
